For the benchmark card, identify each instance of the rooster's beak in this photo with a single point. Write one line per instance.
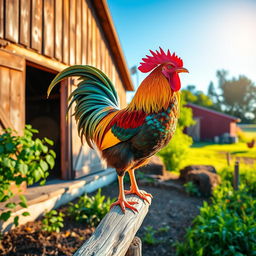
(181, 70)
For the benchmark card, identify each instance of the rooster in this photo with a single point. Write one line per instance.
(127, 137)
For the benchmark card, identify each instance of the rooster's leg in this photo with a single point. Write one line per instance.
(121, 198)
(134, 188)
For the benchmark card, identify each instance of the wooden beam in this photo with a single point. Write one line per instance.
(116, 231)
(33, 57)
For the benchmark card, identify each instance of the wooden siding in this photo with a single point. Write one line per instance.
(66, 30)
(12, 107)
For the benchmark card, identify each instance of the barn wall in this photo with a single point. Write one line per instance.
(65, 30)
(211, 124)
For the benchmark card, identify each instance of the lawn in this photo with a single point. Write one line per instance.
(215, 154)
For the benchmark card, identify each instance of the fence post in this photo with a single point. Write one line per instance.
(228, 158)
(135, 248)
(236, 176)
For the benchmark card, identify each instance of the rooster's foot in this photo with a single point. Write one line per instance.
(141, 194)
(125, 204)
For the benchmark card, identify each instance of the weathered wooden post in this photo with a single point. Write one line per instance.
(116, 231)
(135, 248)
(228, 158)
(236, 176)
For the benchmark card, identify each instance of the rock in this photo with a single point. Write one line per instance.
(184, 172)
(205, 181)
(155, 166)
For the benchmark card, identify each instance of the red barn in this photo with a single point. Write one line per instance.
(212, 125)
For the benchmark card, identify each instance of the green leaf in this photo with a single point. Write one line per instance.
(52, 153)
(50, 142)
(23, 199)
(26, 214)
(5, 216)
(16, 221)
(50, 160)
(44, 165)
(10, 205)
(1, 149)
(24, 205)
(22, 168)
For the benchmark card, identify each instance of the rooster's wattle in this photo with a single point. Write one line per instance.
(127, 138)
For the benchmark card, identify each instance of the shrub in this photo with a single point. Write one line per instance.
(90, 210)
(176, 150)
(226, 227)
(22, 159)
(53, 221)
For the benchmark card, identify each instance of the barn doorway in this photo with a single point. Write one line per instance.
(42, 113)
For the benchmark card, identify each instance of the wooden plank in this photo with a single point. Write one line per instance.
(48, 29)
(5, 91)
(93, 52)
(17, 104)
(66, 32)
(25, 7)
(65, 132)
(36, 25)
(12, 20)
(84, 32)
(1, 18)
(98, 58)
(58, 29)
(135, 248)
(36, 60)
(116, 231)
(72, 39)
(89, 37)
(78, 37)
(7, 60)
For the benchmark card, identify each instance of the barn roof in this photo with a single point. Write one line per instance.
(110, 32)
(231, 118)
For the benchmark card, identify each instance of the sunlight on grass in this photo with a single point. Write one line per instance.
(215, 154)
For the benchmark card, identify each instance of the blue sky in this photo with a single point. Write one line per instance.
(208, 35)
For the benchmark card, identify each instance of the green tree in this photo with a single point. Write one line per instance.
(190, 94)
(237, 96)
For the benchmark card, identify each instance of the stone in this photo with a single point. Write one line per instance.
(205, 180)
(155, 166)
(184, 172)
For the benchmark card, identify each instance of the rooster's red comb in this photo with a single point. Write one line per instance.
(159, 58)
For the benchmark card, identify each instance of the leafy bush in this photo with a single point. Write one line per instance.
(53, 221)
(191, 189)
(90, 210)
(176, 150)
(22, 159)
(247, 177)
(178, 147)
(226, 227)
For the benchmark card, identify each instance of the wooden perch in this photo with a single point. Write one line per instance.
(116, 231)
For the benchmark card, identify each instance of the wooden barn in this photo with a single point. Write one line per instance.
(38, 39)
(212, 125)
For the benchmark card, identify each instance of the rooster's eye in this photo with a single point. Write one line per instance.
(169, 66)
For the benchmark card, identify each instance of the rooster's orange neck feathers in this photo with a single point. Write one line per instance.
(153, 94)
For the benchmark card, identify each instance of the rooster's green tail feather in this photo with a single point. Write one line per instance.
(95, 97)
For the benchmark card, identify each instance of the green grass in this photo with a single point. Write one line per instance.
(215, 154)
